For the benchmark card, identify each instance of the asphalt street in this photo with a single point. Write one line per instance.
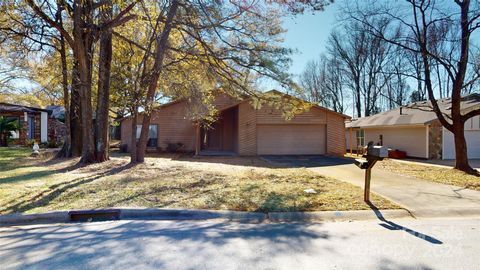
(148, 244)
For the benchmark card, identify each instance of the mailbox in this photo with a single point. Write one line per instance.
(377, 151)
(362, 164)
(374, 154)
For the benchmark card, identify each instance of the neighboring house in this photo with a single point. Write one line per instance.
(242, 130)
(33, 122)
(416, 130)
(57, 130)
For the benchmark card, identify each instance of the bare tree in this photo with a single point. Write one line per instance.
(439, 33)
(364, 58)
(322, 83)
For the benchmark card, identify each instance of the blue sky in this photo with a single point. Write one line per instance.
(308, 33)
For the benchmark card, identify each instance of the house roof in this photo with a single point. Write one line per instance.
(7, 107)
(245, 98)
(418, 113)
(57, 111)
(313, 104)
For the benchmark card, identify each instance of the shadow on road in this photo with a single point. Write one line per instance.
(115, 243)
(395, 227)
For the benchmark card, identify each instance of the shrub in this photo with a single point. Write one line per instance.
(52, 144)
(174, 147)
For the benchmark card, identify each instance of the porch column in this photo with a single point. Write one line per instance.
(351, 142)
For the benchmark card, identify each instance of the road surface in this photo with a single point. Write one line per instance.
(139, 244)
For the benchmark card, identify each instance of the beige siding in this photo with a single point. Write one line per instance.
(412, 140)
(173, 127)
(269, 115)
(223, 101)
(125, 131)
(247, 130)
(291, 139)
(353, 143)
(335, 134)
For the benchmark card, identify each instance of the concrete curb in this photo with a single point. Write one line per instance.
(335, 215)
(19, 219)
(187, 214)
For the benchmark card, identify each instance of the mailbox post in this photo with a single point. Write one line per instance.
(374, 154)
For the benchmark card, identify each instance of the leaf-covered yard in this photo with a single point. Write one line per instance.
(30, 185)
(432, 173)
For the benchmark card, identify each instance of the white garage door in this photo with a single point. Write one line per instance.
(291, 139)
(473, 144)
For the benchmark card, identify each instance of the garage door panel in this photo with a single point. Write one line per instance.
(473, 144)
(291, 139)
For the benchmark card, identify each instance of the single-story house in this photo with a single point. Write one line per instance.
(243, 130)
(40, 125)
(416, 130)
(33, 122)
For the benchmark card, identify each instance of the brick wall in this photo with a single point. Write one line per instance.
(435, 140)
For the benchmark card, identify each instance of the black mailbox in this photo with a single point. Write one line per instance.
(362, 164)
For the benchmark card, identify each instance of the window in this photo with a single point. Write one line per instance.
(152, 135)
(31, 127)
(360, 137)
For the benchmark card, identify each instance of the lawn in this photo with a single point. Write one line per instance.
(29, 185)
(433, 173)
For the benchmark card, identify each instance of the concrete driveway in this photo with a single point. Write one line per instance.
(422, 198)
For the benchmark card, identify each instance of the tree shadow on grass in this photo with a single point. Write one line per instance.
(43, 198)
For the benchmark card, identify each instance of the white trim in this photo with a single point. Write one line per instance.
(427, 141)
(389, 126)
(43, 127)
(443, 143)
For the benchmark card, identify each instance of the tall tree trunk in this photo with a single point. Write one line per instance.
(104, 68)
(461, 155)
(75, 115)
(152, 87)
(358, 102)
(83, 54)
(133, 138)
(67, 144)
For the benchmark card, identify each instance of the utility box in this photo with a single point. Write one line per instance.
(377, 151)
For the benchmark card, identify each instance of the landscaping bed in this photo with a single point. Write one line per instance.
(30, 185)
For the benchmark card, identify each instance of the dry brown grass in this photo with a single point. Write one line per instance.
(432, 173)
(172, 181)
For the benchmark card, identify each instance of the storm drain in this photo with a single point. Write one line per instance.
(94, 215)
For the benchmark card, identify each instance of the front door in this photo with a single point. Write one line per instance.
(31, 128)
(212, 137)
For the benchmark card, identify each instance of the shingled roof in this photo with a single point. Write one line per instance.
(7, 107)
(418, 113)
